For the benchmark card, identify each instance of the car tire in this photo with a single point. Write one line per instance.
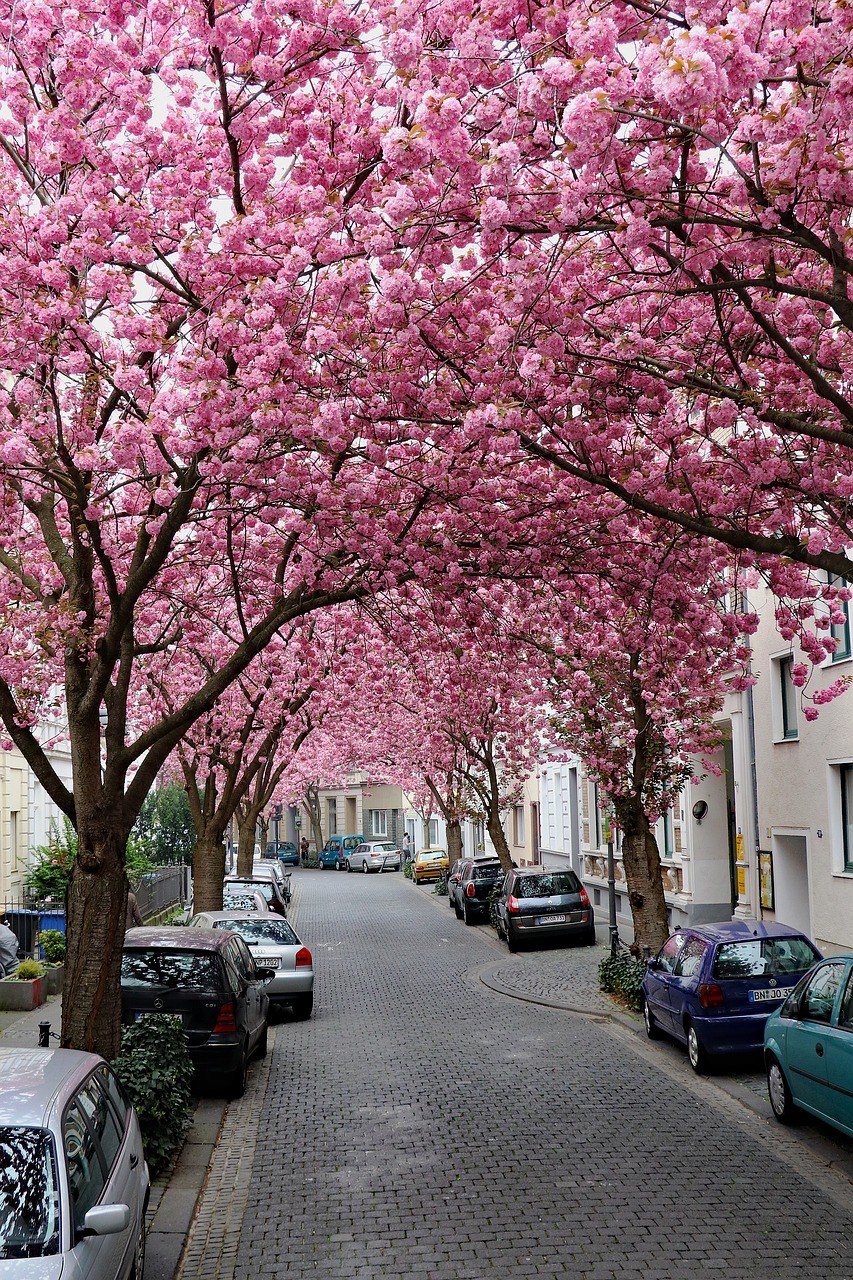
(781, 1102)
(456, 908)
(697, 1054)
(237, 1080)
(337, 864)
(511, 940)
(364, 867)
(263, 1045)
(303, 1006)
(466, 915)
(650, 1022)
(347, 865)
(139, 1251)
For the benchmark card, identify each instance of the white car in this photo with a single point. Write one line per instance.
(74, 1185)
(275, 945)
(374, 855)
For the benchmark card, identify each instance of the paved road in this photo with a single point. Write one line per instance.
(423, 1125)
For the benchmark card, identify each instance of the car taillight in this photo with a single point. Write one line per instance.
(227, 1019)
(469, 892)
(711, 996)
(584, 897)
(303, 958)
(512, 904)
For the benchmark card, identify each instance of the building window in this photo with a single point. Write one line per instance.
(479, 832)
(596, 809)
(332, 816)
(840, 631)
(846, 773)
(518, 824)
(379, 822)
(433, 833)
(668, 835)
(789, 697)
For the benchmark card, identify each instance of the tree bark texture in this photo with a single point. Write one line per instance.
(208, 873)
(246, 843)
(453, 828)
(641, 860)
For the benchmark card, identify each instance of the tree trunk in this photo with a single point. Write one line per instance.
(96, 907)
(453, 827)
(208, 873)
(311, 809)
(497, 837)
(245, 843)
(641, 860)
(264, 832)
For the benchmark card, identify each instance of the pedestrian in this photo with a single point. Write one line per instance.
(8, 947)
(303, 850)
(407, 847)
(133, 918)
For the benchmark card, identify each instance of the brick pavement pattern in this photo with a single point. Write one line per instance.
(421, 1125)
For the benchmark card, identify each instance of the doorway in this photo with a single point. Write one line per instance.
(791, 882)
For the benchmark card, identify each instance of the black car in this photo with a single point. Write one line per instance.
(271, 890)
(536, 905)
(471, 894)
(453, 880)
(209, 978)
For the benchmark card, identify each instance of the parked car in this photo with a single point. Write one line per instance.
(210, 979)
(713, 986)
(74, 1186)
(256, 884)
(275, 945)
(288, 853)
(452, 880)
(334, 851)
(373, 855)
(471, 893)
(429, 864)
(273, 870)
(537, 906)
(808, 1047)
(254, 901)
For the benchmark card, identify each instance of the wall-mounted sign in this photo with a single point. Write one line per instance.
(765, 879)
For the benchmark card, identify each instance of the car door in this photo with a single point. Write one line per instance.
(685, 980)
(839, 1061)
(99, 1170)
(255, 992)
(658, 980)
(808, 1036)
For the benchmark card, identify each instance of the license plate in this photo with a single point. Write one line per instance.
(266, 962)
(770, 993)
(550, 919)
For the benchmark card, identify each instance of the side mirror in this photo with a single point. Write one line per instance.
(106, 1220)
(264, 974)
(653, 963)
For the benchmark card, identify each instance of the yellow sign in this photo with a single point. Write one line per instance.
(739, 846)
(741, 881)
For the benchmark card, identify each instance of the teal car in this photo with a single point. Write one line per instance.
(335, 852)
(808, 1047)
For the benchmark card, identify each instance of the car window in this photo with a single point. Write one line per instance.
(818, 998)
(351, 842)
(239, 901)
(265, 887)
(845, 1013)
(273, 930)
(486, 872)
(116, 1094)
(670, 951)
(85, 1174)
(689, 961)
(97, 1110)
(547, 885)
(29, 1193)
(172, 969)
(764, 958)
(247, 960)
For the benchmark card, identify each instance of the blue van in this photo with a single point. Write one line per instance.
(335, 851)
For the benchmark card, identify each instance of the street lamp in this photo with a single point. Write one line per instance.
(611, 889)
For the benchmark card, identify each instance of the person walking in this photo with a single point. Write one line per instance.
(133, 918)
(407, 847)
(303, 851)
(8, 947)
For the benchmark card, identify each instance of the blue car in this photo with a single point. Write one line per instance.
(713, 986)
(335, 852)
(808, 1047)
(288, 853)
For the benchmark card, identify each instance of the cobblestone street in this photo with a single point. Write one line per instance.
(423, 1124)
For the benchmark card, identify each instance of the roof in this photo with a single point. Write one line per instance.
(237, 914)
(31, 1078)
(744, 930)
(176, 938)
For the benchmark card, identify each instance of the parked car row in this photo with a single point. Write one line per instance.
(354, 853)
(532, 905)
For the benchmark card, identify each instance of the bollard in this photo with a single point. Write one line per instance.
(44, 1035)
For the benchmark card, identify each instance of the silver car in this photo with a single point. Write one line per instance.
(374, 855)
(73, 1179)
(275, 945)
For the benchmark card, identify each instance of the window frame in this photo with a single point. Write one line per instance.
(787, 696)
(844, 649)
(845, 785)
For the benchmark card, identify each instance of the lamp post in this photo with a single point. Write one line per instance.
(611, 890)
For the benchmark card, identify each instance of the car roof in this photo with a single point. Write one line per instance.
(31, 1078)
(176, 937)
(744, 930)
(238, 914)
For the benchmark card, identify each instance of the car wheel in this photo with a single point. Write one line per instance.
(511, 940)
(780, 1095)
(303, 1006)
(466, 915)
(652, 1028)
(139, 1251)
(457, 910)
(337, 864)
(364, 866)
(347, 865)
(236, 1083)
(697, 1054)
(263, 1046)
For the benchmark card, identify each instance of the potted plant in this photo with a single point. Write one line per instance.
(26, 989)
(52, 943)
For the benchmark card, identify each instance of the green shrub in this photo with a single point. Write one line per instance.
(49, 875)
(28, 969)
(440, 886)
(53, 945)
(155, 1069)
(623, 975)
(407, 870)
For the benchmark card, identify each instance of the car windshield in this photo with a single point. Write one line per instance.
(550, 885)
(265, 887)
(239, 901)
(431, 857)
(490, 871)
(198, 970)
(764, 958)
(277, 932)
(29, 1194)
